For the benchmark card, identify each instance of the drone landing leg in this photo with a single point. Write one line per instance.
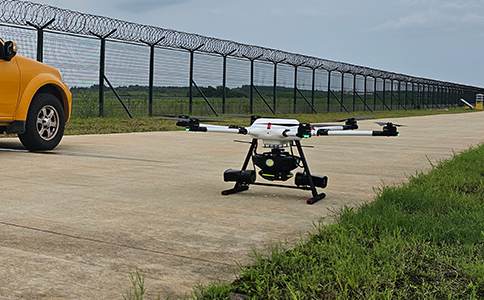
(239, 187)
(316, 196)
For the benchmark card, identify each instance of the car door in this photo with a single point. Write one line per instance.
(9, 87)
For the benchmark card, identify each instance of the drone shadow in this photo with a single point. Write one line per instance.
(269, 194)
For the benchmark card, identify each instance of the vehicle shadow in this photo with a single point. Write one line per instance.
(12, 145)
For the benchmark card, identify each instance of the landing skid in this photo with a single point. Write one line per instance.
(235, 190)
(241, 187)
(313, 200)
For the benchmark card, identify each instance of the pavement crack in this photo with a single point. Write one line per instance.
(115, 244)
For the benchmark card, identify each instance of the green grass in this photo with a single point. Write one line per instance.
(89, 125)
(421, 240)
(175, 100)
(78, 126)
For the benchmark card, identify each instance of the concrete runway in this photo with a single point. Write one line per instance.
(76, 221)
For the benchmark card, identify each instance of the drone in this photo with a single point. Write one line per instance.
(280, 136)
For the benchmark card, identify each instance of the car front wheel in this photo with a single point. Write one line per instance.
(44, 127)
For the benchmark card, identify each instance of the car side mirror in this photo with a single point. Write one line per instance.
(9, 50)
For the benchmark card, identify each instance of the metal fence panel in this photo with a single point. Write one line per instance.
(202, 75)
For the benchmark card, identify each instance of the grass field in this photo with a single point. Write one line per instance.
(87, 125)
(421, 240)
(175, 100)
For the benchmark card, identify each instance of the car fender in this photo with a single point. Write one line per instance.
(36, 84)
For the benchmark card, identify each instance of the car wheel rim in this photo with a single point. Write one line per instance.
(48, 122)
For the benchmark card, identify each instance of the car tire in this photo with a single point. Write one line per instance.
(44, 127)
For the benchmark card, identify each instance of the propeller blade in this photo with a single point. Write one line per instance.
(243, 142)
(185, 117)
(390, 124)
(356, 118)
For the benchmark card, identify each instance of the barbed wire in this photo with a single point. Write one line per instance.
(26, 13)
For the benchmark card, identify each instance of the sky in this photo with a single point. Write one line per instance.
(438, 39)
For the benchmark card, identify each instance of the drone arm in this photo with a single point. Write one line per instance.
(332, 127)
(325, 132)
(216, 128)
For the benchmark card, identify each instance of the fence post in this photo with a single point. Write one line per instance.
(444, 96)
(365, 91)
(328, 95)
(419, 96)
(294, 105)
(375, 87)
(40, 38)
(435, 97)
(342, 91)
(428, 96)
(447, 94)
(405, 101)
(102, 68)
(422, 96)
(413, 95)
(190, 75)
(399, 95)
(274, 88)
(251, 90)
(190, 83)
(398, 98)
(451, 96)
(151, 73)
(440, 96)
(391, 94)
(274, 84)
(224, 83)
(354, 92)
(384, 92)
(313, 86)
(455, 96)
(224, 78)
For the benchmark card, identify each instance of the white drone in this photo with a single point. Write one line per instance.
(278, 164)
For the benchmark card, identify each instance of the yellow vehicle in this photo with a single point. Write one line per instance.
(34, 101)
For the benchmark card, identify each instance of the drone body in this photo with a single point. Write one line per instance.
(281, 135)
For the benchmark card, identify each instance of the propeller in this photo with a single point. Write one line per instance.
(357, 118)
(188, 122)
(390, 124)
(348, 121)
(185, 117)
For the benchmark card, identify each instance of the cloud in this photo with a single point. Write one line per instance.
(443, 15)
(147, 5)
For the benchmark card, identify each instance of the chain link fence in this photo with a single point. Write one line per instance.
(156, 71)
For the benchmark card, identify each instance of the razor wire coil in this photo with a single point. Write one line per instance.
(25, 13)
